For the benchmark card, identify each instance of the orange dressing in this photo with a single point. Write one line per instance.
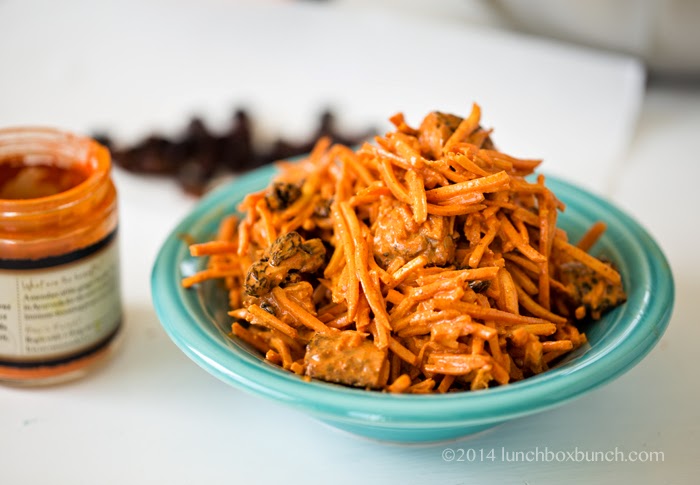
(20, 181)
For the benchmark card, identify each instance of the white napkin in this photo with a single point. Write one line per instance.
(133, 66)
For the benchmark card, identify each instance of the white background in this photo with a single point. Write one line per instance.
(152, 416)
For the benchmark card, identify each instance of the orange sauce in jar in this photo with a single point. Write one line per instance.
(60, 307)
(19, 181)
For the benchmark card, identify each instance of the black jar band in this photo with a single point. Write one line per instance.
(51, 261)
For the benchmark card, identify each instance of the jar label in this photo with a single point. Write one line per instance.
(56, 312)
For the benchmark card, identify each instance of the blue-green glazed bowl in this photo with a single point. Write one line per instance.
(197, 323)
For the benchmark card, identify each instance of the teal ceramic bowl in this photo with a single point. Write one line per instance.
(196, 321)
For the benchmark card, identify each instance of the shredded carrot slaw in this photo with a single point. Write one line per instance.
(425, 262)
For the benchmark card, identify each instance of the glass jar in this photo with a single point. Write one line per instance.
(60, 306)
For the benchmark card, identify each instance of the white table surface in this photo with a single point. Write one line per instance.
(152, 416)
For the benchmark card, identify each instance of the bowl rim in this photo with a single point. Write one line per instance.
(554, 387)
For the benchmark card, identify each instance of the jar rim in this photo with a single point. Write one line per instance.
(95, 157)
